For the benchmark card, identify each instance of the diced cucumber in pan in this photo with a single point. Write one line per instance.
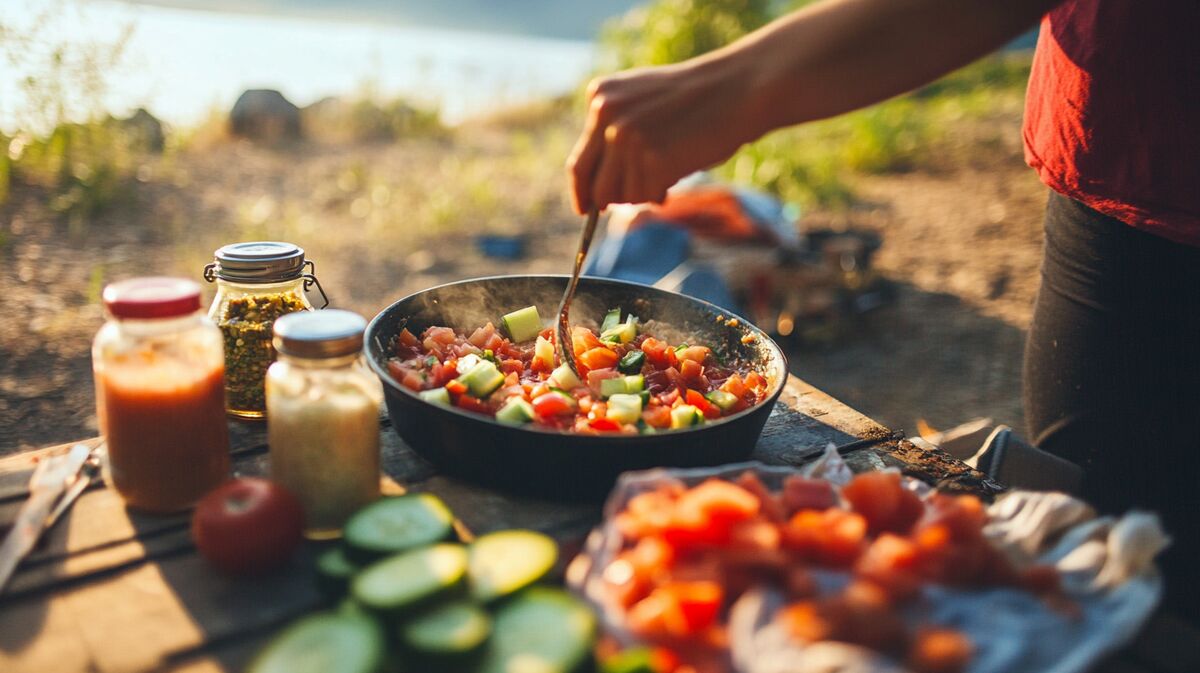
(523, 325)
(327, 642)
(685, 416)
(436, 396)
(625, 408)
(395, 524)
(507, 561)
(722, 399)
(611, 319)
(622, 384)
(543, 352)
(515, 412)
(483, 379)
(565, 378)
(401, 583)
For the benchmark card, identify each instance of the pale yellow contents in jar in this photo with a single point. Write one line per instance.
(324, 443)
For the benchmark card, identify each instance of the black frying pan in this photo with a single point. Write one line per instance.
(549, 463)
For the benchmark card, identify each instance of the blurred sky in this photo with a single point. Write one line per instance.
(181, 63)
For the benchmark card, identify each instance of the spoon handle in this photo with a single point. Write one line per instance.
(565, 350)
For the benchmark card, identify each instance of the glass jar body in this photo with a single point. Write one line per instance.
(160, 401)
(245, 313)
(323, 434)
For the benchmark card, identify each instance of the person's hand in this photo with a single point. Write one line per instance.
(649, 127)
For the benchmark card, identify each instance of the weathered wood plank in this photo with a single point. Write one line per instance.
(137, 620)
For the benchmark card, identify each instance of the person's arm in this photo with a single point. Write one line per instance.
(648, 127)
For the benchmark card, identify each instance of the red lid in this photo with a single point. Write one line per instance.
(155, 297)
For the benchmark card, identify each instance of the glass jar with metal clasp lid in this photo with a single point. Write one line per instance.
(257, 282)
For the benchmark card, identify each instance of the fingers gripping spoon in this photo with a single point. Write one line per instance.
(565, 350)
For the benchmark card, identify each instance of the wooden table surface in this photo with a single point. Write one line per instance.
(111, 590)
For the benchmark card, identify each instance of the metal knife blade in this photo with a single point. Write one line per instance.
(47, 483)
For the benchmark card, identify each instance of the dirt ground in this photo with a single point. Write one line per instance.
(962, 245)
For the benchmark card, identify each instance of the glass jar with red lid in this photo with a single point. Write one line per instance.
(159, 369)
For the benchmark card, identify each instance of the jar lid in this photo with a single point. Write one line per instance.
(259, 262)
(152, 297)
(319, 334)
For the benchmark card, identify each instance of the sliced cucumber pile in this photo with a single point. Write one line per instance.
(395, 524)
(543, 630)
(450, 630)
(401, 583)
(327, 642)
(410, 598)
(334, 571)
(504, 562)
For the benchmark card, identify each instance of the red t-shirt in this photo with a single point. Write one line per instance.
(1112, 116)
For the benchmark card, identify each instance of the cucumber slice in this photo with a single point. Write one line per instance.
(645, 395)
(507, 561)
(631, 362)
(543, 352)
(522, 325)
(625, 408)
(542, 630)
(395, 524)
(610, 387)
(684, 416)
(611, 319)
(334, 571)
(327, 642)
(403, 582)
(515, 412)
(722, 399)
(622, 334)
(565, 378)
(483, 379)
(447, 632)
(436, 396)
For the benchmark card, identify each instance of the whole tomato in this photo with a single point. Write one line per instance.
(248, 526)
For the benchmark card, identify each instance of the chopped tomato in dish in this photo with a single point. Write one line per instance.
(690, 552)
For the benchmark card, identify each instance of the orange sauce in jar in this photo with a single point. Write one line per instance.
(168, 443)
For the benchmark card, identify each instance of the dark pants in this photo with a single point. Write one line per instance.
(1112, 374)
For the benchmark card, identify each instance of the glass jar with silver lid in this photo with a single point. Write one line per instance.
(257, 282)
(323, 417)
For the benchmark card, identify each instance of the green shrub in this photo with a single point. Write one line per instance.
(669, 31)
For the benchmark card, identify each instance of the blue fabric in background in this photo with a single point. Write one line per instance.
(650, 252)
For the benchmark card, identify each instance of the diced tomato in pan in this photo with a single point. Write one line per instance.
(697, 354)
(552, 404)
(599, 358)
(710, 410)
(407, 339)
(583, 339)
(690, 370)
(604, 425)
(657, 416)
